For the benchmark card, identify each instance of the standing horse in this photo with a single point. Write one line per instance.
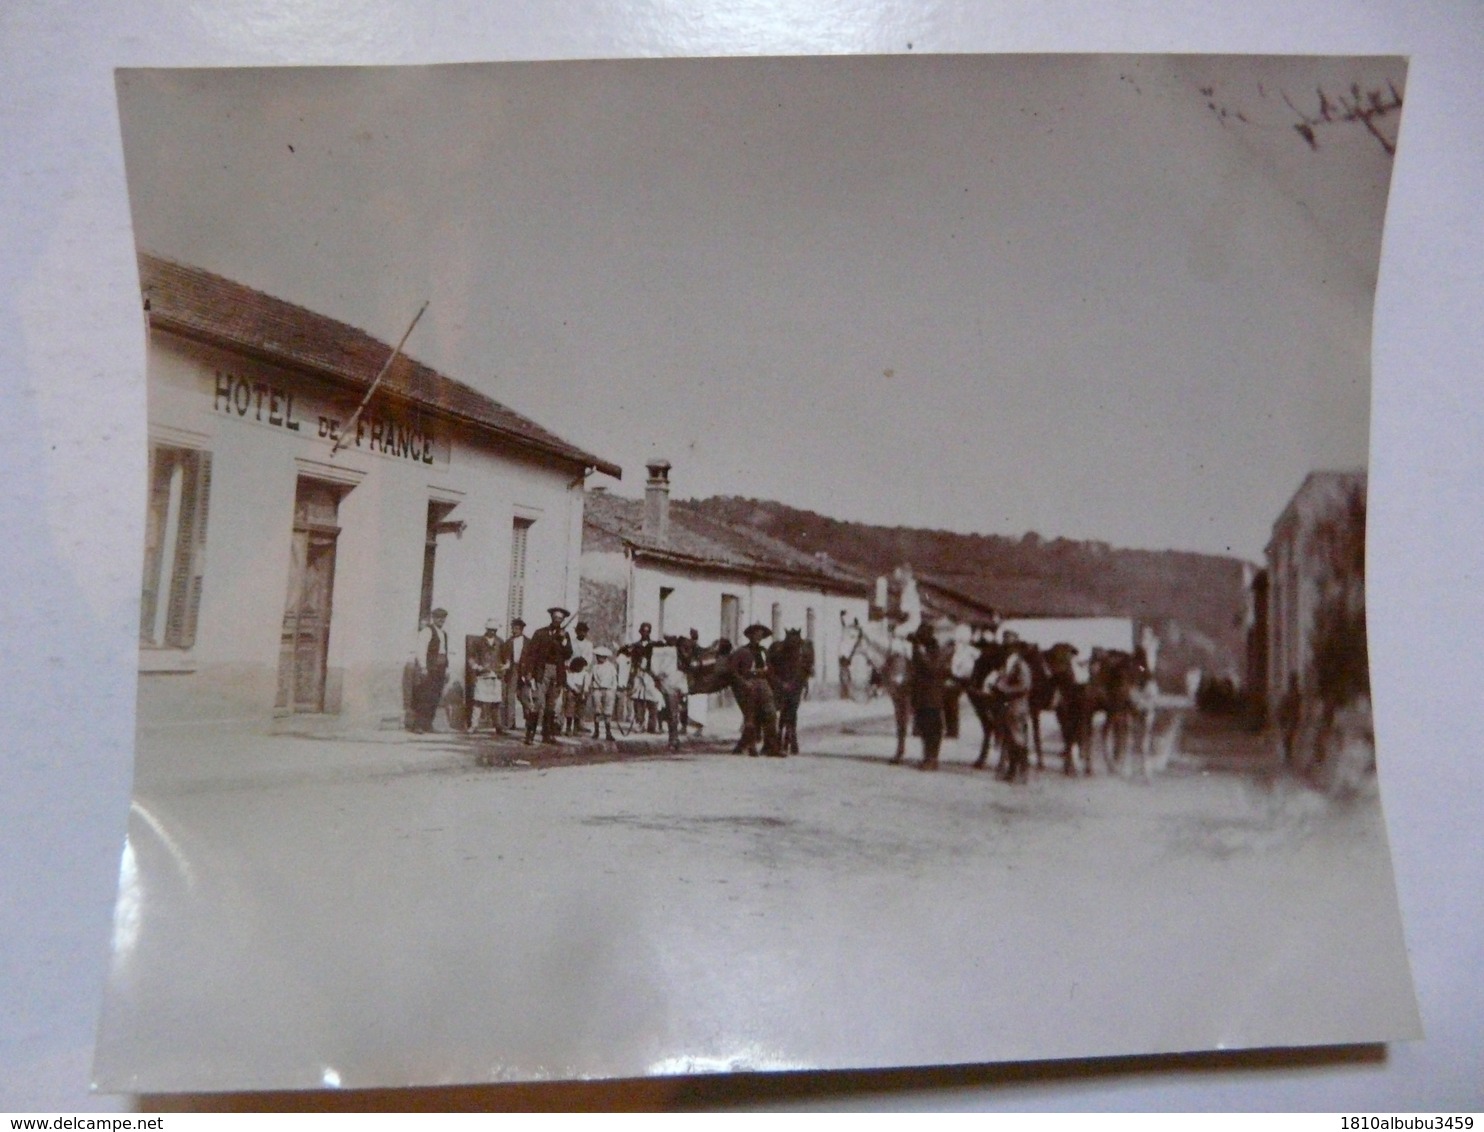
(1114, 679)
(889, 654)
(988, 705)
(1043, 696)
(790, 664)
(682, 669)
(1073, 706)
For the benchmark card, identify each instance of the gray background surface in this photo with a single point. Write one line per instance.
(71, 360)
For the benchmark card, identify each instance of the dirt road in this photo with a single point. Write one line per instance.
(712, 911)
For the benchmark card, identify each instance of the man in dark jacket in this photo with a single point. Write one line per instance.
(748, 670)
(543, 671)
(926, 678)
(430, 672)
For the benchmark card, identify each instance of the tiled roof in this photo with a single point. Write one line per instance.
(697, 541)
(210, 308)
(947, 600)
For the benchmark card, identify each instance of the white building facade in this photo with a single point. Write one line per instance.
(291, 555)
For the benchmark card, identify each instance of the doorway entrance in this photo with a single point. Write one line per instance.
(306, 612)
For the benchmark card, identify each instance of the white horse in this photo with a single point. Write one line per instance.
(890, 653)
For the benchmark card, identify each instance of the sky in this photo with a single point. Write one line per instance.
(1106, 297)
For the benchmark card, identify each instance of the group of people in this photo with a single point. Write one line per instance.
(997, 679)
(1009, 683)
(552, 681)
(536, 674)
(559, 680)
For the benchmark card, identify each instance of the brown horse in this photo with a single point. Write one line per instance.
(1114, 678)
(790, 664)
(682, 668)
(988, 705)
(1073, 706)
(1043, 695)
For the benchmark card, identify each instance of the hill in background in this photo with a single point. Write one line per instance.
(1196, 602)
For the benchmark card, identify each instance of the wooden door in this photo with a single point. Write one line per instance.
(307, 609)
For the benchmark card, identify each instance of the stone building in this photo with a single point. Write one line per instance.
(1301, 571)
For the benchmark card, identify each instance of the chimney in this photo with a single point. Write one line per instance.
(657, 501)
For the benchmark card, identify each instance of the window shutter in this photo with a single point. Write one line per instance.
(198, 548)
(518, 539)
(154, 541)
(190, 546)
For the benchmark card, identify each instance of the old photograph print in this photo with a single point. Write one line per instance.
(686, 566)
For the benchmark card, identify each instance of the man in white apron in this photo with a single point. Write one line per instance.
(484, 663)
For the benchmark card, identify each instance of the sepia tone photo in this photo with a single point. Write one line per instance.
(689, 566)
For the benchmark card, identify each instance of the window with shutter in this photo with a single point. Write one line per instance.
(519, 537)
(731, 618)
(665, 592)
(174, 546)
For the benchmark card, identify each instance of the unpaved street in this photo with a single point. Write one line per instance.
(713, 911)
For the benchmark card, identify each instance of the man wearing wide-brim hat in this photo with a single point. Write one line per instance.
(748, 669)
(543, 672)
(925, 682)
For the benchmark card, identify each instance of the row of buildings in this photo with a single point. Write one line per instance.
(300, 531)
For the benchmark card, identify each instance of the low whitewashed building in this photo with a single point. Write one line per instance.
(950, 606)
(651, 560)
(291, 555)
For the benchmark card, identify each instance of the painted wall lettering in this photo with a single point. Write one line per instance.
(264, 403)
(258, 400)
(387, 435)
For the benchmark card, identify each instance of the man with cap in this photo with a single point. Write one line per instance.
(430, 671)
(511, 653)
(604, 686)
(748, 672)
(482, 666)
(543, 668)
